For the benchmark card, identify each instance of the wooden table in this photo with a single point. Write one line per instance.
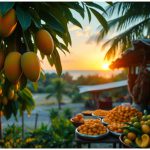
(108, 139)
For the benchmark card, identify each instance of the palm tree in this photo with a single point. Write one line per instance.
(58, 89)
(132, 22)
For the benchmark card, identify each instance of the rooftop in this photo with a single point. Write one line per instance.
(133, 56)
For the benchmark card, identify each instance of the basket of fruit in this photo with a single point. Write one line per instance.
(77, 120)
(92, 130)
(100, 113)
(136, 134)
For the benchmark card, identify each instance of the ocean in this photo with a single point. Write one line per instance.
(77, 73)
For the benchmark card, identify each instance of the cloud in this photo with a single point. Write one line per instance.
(86, 32)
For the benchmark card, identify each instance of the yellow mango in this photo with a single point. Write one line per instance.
(143, 142)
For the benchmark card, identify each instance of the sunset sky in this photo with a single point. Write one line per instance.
(83, 55)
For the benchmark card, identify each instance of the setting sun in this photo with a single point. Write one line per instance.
(105, 66)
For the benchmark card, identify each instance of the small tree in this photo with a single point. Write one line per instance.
(59, 88)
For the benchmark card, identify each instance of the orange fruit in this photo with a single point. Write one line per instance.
(145, 129)
(12, 68)
(30, 60)
(8, 23)
(131, 136)
(44, 42)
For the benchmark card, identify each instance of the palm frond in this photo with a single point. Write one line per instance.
(123, 40)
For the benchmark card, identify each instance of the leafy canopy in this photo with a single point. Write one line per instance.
(131, 22)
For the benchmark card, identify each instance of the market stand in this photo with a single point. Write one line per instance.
(137, 60)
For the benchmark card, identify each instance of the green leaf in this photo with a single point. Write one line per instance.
(51, 21)
(5, 7)
(100, 18)
(35, 85)
(76, 7)
(42, 75)
(89, 14)
(110, 3)
(35, 18)
(24, 18)
(57, 62)
(96, 6)
(50, 60)
(75, 22)
(29, 40)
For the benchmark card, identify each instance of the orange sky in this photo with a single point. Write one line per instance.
(83, 55)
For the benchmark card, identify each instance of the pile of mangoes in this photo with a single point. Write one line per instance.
(137, 132)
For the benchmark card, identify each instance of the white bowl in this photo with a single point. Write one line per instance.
(105, 123)
(91, 137)
(97, 116)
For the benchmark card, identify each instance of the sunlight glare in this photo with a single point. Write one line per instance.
(105, 66)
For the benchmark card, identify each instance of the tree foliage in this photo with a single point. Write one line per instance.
(31, 17)
(131, 22)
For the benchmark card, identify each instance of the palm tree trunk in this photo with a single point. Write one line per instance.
(59, 104)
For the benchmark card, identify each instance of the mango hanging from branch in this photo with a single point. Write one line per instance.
(44, 42)
(30, 65)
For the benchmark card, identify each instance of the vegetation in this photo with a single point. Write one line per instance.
(58, 89)
(29, 28)
(59, 135)
(130, 20)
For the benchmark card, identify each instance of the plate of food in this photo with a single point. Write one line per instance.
(116, 128)
(77, 120)
(100, 113)
(92, 131)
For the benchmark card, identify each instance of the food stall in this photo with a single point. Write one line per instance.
(137, 60)
(124, 124)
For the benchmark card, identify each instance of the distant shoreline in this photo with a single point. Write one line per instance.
(77, 73)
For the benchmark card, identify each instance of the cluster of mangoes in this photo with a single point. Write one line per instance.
(137, 132)
(9, 93)
(15, 65)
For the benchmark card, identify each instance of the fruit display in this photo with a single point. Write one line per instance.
(137, 132)
(121, 114)
(100, 112)
(116, 127)
(92, 127)
(87, 112)
(90, 121)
